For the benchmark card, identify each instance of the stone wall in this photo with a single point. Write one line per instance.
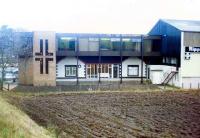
(26, 71)
(44, 79)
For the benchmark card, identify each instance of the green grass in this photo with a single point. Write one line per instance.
(16, 124)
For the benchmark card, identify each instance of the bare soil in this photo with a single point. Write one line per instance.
(152, 114)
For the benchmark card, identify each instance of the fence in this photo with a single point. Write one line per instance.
(87, 87)
(190, 85)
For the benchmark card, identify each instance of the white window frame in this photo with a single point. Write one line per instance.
(104, 68)
(70, 70)
(129, 73)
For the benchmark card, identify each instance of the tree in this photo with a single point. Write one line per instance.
(24, 44)
(7, 56)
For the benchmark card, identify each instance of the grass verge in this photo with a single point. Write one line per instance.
(16, 124)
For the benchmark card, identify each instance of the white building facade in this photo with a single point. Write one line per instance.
(169, 54)
(181, 52)
(66, 70)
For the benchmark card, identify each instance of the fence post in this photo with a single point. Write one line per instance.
(198, 85)
(76, 88)
(182, 85)
(8, 86)
(190, 85)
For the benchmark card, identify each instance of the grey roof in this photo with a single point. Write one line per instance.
(184, 25)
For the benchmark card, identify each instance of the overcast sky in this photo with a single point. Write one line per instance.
(95, 16)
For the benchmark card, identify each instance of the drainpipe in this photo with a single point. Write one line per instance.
(99, 61)
(142, 58)
(121, 57)
(77, 53)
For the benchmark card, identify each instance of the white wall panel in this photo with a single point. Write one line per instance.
(70, 61)
(132, 61)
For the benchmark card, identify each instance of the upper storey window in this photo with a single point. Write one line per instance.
(110, 43)
(93, 44)
(105, 44)
(156, 45)
(136, 44)
(115, 42)
(67, 43)
(132, 44)
(152, 45)
(91, 39)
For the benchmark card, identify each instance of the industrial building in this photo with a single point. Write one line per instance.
(168, 54)
(181, 49)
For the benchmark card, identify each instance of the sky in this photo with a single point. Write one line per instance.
(94, 16)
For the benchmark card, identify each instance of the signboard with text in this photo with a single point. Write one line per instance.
(192, 49)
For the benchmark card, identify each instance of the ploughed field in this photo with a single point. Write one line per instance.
(152, 114)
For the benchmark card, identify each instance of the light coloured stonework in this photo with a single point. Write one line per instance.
(191, 39)
(26, 71)
(45, 79)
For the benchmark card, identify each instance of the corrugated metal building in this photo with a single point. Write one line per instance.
(181, 48)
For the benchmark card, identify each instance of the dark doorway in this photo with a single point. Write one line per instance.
(115, 72)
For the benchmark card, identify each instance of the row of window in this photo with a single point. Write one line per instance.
(85, 44)
(92, 44)
(169, 60)
(93, 70)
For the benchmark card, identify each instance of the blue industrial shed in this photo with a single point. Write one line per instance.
(170, 30)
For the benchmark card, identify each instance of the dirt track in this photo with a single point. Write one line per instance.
(171, 114)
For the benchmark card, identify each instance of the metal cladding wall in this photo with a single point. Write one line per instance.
(171, 39)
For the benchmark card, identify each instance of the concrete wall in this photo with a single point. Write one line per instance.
(26, 71)
(50, 78)
(164, 71)
(190, 69)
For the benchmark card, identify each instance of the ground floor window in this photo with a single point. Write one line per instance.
(70, 70)
(93, 70)
(133, 70)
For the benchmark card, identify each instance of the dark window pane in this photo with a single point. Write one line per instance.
(132, 44)
(115, 45)
(127, 44)
(67, 43)
(41, 46)
(156, 44)
(72, 45)
(41, 66)
(105, 44)
(47, 64)
(46, 47)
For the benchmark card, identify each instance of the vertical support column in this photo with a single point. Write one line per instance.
(77, 56)
(121, 57)
(148, 70)
(142, 58)
(99, 61)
